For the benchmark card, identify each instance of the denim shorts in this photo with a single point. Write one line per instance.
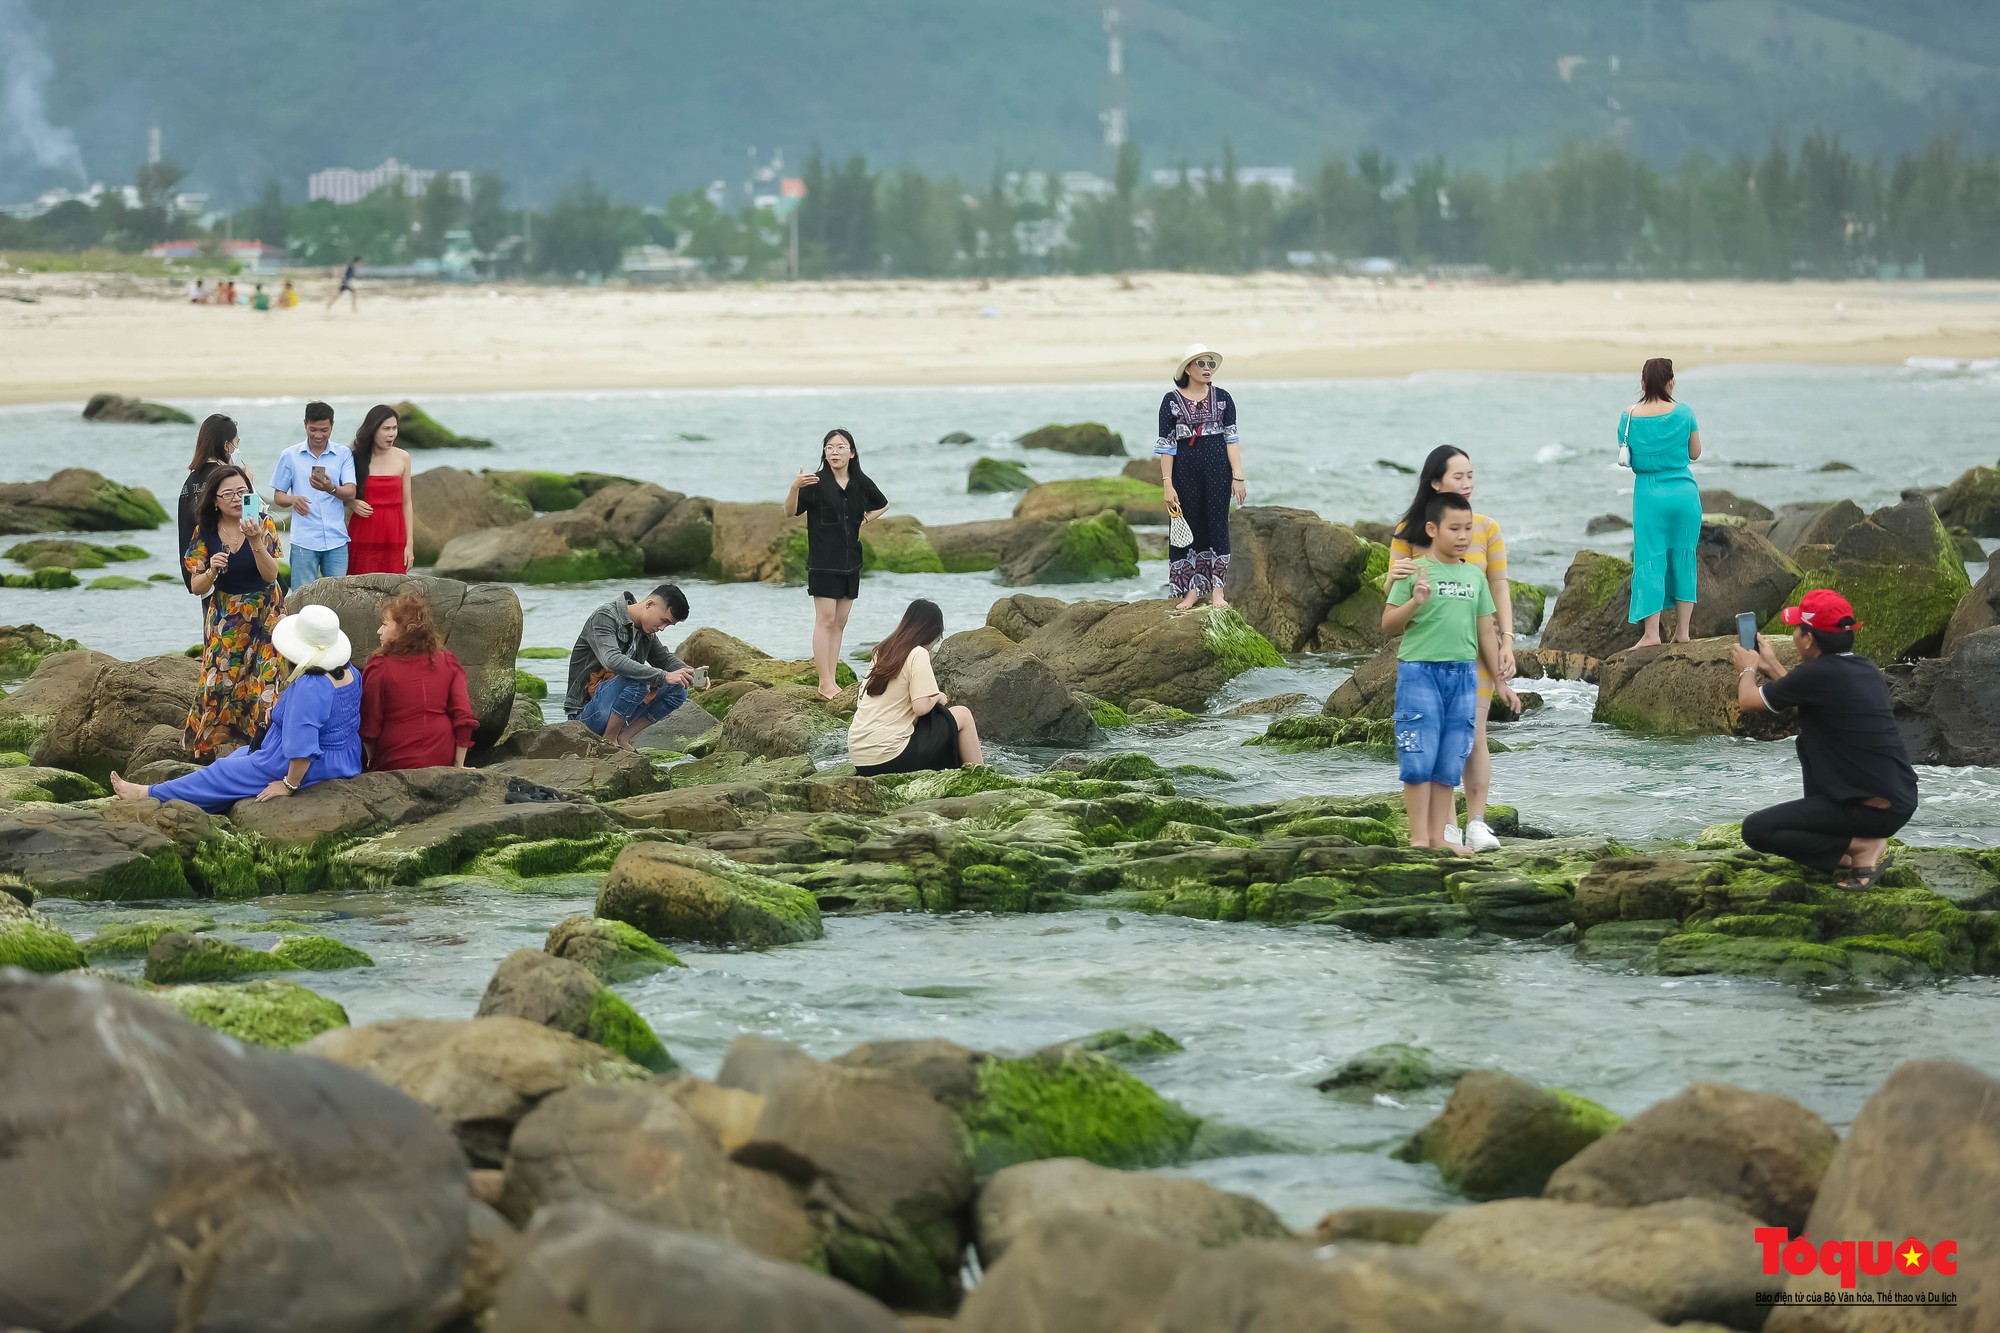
(1436, 707)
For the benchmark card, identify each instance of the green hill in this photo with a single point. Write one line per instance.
(653, 98)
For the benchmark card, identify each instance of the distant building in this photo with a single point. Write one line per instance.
(1282, 180)
(345, 185)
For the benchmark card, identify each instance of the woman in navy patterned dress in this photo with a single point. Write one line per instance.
(1201, 467)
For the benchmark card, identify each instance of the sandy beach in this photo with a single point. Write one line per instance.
(67, 335)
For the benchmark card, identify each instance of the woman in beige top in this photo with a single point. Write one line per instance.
(903, 722)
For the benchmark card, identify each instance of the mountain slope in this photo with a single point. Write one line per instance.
(657, 97)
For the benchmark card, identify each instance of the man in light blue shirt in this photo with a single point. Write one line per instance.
(315, 480)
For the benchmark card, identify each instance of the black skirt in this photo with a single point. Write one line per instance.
(840, 586)
(933, 745)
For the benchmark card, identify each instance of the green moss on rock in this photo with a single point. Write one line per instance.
(1237, 647)
(178, 958)
(1083, 437)
(585, 565)
(1067, 1102)
(267, 1012)
(1108, 715)
(1294, 735)
(617, 1026)
(531, 685)
(544, 492)
(1391, 1067)
(114, 583)
(46, 579)
(320, 953)
(29, 944)
(1127, 1044)
(1092, 549)
(418, 429)
(898, 546)
(988, 476)
(132, 939)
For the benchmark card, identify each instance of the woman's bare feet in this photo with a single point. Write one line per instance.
(828, 694)
(1187, 603)
(1459, 849)
(129, 791)
(1215, 598)
(1646, 641)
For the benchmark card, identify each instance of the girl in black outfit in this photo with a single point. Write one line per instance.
(1860, 788)
(214, 446)
(836, 501)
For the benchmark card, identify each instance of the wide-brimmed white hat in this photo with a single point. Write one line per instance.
(312, 638)
(1194, 350)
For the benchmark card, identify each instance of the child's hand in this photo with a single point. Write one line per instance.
(1507, 696)
(1422, 592)
(1401, 568)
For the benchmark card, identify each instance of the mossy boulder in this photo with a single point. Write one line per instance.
(67, 554)
(612, 950)
(319, 953)
(1078, 550)
(682, 893)
(115, 583)
(418, 429)
(543, 492)
(1530, 601)
(49, 578)
(1126, 652)
(266, 1012)
(1972, 503)
(1126, 1045)
(179, 957)
(1685, 689)
(1083, 437)
(1901, 571)
(77, 500)
(896, 544)
(134, 939)
(1391, 1067)
(22, 648)
(529, 684)
(555, 548)
(557, 993)
(116, 407)
(987, 476)
(31, 783)
(1502, 1137)
(33, 942)
(1069, 1102)
(1590, 611)
(1291, 573)
(1294, 735)
(1141, 502)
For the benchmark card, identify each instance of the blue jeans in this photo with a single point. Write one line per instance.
(308, 564)
(1437, 707)
(626, 697)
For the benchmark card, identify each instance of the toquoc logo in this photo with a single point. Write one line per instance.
(1798, 1255)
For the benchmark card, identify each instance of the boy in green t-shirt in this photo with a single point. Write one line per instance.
(1444, 612)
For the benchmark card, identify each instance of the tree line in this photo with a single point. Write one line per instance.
(1593, 210)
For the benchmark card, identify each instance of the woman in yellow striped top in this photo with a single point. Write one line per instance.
(1449, 469)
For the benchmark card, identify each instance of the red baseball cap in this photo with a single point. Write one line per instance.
(1821, 608)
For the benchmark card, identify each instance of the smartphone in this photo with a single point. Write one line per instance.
(1746, 629)
(319, 473)
(252, 508)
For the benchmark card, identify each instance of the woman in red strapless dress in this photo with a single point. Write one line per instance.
(381, 524)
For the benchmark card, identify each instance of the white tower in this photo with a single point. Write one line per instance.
(153, 146)
(1113, 114)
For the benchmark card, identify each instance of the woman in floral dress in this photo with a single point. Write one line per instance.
(234, 565)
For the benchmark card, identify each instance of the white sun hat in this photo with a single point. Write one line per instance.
(312, 638)
(1194, 350)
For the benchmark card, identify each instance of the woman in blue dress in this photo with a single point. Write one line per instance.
(315, 731)
(1666, 502)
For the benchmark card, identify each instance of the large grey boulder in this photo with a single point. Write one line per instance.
(569, 547)
(451, 502)
(1949, 708)
(1977, 610)
(1737, 569)
(133, 411)
(88, 712)
(1288, 571)
(76, 500)
(582, 1268)
(162, 1176)
(1016, 698)
(1019, 1198)
(480, 622)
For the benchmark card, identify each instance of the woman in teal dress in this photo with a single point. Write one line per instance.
(1666, 503)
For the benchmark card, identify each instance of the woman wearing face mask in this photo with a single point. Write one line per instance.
(233, 564)
(836, 500)
(214, 446)
(1201, 468)
(1449, 469)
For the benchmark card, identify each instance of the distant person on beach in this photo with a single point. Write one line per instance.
(1444, 610)
(415, 712)
(262, 300)
(315, 728)
(1860, 788)
(1661, 439)
(622, 679)
(836, 500)
(1201, 469)
(1448, 468)
(346, 287)
(315, 480)
(215, 445)
(288, 299)
(903, 723)
(233, 564)
(382, 522)
(197, 292)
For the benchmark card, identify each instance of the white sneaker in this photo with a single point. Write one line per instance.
(1481, 838)
(1451, 834)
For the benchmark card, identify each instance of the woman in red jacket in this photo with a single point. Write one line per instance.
(414, 709)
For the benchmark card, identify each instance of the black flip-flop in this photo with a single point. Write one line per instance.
(1855, 879)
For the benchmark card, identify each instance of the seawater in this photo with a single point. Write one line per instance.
(1262, 1010)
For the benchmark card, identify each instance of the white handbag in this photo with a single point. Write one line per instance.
(1624, 433)
(1178, 532)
